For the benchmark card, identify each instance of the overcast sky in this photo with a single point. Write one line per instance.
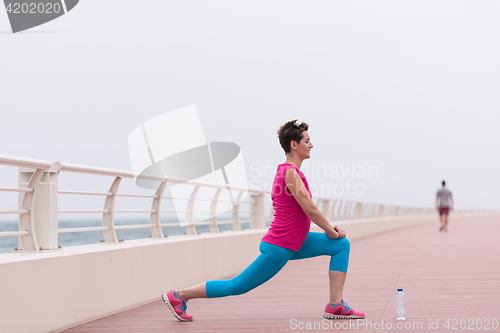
(406, 89)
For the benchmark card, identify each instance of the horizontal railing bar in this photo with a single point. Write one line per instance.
(24, 162)
(15, 189)
(108, 194)
(173, 211)
(14, 211)
(202, 223)
(13, 233)
(136, 195)
(194, 211)
(81, 229)
(221, 186)
(178, 198)
(135, 226)
(67, 211)
(135, 211)
(204, 199)
(93, 170)
(330, 199)
(197, 223)
(127, 174)
(245, 221)
(197, 199)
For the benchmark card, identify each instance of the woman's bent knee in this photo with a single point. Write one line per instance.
(345, 245)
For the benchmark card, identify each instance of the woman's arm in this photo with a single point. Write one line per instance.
(299, 192)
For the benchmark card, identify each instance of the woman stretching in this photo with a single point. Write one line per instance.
(287, 239)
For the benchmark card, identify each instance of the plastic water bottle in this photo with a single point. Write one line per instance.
(400, 305)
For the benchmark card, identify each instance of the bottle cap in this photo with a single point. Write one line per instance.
(400, 289)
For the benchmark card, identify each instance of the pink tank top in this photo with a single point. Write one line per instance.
(291, 225)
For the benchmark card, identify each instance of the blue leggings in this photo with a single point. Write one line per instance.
(273, 258)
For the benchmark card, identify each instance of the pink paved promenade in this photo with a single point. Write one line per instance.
(445, 276)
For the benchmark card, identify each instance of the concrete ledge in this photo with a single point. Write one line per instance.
(45, 291)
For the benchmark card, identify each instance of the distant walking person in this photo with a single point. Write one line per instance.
(444, 202)
(288, 238)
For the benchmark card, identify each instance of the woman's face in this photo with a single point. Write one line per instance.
(304, 146)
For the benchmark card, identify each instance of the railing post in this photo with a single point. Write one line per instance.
(332, 210)
(257, 208)
(108, 219)
(325, 208)
(358, 211)
(213, 213)
(381, 211)
(236, 207)
(41, 220)
(190, 227)
(28, 178)
(156, 231)
(367, 208)
(344, 207)
(271, 213)
(343, 210)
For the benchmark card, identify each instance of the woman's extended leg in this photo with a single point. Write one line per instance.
(318, 244)
(268, 263)
(196, 291)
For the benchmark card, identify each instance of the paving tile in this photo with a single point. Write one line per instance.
(445, 276)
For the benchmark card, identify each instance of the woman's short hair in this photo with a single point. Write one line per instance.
(291, 131)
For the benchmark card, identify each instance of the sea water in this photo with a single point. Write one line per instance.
(7, 244)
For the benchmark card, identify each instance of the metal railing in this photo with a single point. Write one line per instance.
(26, 231)
(155, 225)
(342, 210)
(38, 212)
(32, 219)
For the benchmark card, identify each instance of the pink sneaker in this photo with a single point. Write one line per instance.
(177, 306)
(343, 311)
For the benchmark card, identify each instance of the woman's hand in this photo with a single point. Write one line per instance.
(333, 234)
(340, 231)
(337, 232)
